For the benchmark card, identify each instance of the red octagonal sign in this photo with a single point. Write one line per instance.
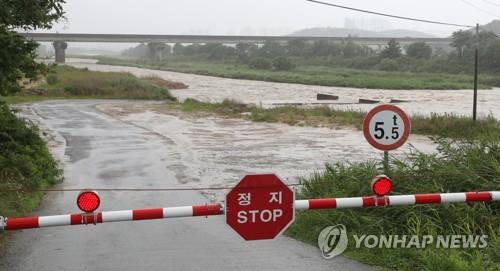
(260, 207)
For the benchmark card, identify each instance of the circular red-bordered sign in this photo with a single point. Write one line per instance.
(386, 127)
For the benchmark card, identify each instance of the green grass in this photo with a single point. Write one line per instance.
(447, 125)
(68, 82)
(317, 75)
(459, 166)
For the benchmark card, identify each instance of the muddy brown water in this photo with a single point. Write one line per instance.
(214, 89)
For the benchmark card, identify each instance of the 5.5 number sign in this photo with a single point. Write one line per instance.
(386, 127)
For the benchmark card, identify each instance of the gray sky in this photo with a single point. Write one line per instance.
(260, 17)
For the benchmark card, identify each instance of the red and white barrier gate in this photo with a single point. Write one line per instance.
(218, 209)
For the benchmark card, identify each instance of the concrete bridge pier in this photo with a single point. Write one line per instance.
(60, 48)
(156, 50)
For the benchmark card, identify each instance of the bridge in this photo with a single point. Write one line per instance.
(157, 43)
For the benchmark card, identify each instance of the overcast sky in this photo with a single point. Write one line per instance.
(262, 17)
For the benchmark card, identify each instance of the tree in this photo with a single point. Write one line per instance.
(296, 47)
(352, 49)
(271, 49)
(393, 50)
(322, 48)
(465, 43)
(490, 59)
(17, 55)
(462, 40)
(260, 63)
(178, 48)
(217, 51)
(282, 64)
(245, 51)
(419, 50)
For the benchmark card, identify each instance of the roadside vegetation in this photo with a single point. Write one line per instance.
(25, 161)
(25, 164)
(472, 165)
(345, 64)
(446, 125)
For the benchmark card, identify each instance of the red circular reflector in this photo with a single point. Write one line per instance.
(88, 201)
(381, 185)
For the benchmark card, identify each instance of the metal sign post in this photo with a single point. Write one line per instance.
(386, 127)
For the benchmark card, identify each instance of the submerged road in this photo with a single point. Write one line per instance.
(105, 152)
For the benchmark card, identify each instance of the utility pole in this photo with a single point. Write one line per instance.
(474, 106)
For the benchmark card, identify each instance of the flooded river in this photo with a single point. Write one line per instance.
(214, 89)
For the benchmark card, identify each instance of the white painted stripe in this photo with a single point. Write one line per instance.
(349, 202)
(55, 220)
(453, 197)
(301, 204)
(495, 195)
(402, 200)
(117, 216)
(3, 224)
(177, 211)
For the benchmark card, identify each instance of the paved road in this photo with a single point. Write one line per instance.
(106, 152)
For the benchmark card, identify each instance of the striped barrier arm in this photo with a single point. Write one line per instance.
(374, 201)
(218, 209)
(112, 216)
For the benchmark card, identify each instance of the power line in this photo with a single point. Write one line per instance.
(480, 9)
(491, 3)
(389, 15)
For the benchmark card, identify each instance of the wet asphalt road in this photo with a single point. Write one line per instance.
(105, 152)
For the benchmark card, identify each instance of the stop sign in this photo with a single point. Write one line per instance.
(260, 207)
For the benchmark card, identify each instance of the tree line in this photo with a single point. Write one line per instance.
(415, 57)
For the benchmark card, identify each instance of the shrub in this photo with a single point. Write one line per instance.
(392, 50)
(25, 163)
(52, 79)
(387, 65)
(260, 63)
(282, 64)
(419, 50)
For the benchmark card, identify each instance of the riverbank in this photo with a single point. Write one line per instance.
(316, 75)
(445, 125)
(64, 82)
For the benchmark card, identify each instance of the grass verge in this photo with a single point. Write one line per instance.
(446, 125)
(68, 82)
(459, 166)
(316, 75)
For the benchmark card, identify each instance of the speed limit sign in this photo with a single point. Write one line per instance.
(386, 127)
